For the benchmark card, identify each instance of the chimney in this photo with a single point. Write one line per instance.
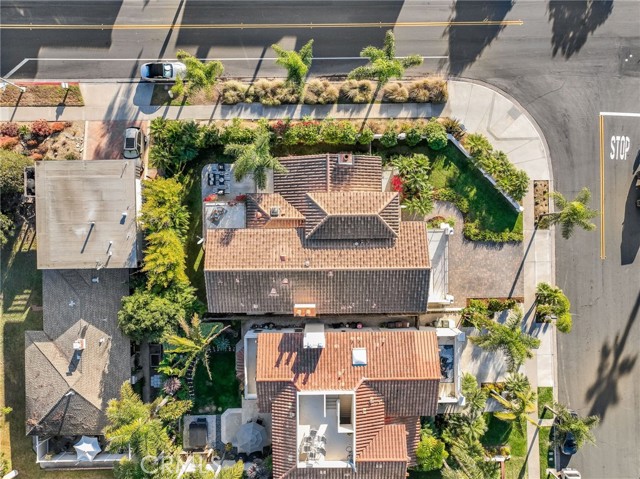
(314, 336)
(79, 344)
(275, 211)
(345, 159)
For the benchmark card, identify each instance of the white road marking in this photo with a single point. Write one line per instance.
(229, 59)
(615, 113)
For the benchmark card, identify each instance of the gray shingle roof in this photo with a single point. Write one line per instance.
(67, 393)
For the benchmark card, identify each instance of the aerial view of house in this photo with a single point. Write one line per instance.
(319, 240)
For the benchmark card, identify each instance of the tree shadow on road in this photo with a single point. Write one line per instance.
(613, 366)
(466, 43)
(573, 22)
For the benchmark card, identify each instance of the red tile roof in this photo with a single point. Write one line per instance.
(352, 215)
(405, 361)
(287, 249)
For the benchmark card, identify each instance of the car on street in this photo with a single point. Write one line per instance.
(566, 440)
(135, 142)
(162, 71)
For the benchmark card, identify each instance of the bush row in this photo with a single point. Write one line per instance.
(324, 92)
(510, 179)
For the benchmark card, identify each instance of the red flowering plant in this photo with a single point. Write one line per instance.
(211, 197)
(280, 127)
(241, 198)
(397, 184)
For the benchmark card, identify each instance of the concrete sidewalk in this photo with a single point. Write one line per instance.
(480, 108)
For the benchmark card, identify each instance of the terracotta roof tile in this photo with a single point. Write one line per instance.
(259, 212)
(322, 173)
(352, 215)
(369, 416)
(287, 249)
(390, 444)
(391, 356)
(412, 427)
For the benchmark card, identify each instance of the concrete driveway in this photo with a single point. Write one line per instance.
(105, 139)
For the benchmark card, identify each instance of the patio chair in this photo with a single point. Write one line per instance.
(211, 180)
(222, 167)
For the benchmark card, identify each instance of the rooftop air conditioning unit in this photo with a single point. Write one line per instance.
(345, 159)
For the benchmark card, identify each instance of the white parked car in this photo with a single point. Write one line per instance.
(162, 71)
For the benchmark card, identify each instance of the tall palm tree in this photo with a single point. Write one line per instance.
(383, 64)
(254, 158)
(508, 338)
(296, 63)
(572, 214)
(517, 406)
(569, 421)
(193, 347)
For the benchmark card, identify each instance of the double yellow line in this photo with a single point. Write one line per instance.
(256, 26)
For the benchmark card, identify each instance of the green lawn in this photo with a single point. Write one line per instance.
(21, 291)
(545, 397)
(195, 251)
(486, 205)
(501, 433)
(544, 434)
(222, 390)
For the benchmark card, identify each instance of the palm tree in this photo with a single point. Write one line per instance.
(297, 64)
(254, 158)
(516, 383)
(510, 339)
(517, 406)
(199, 75)
(572, 213)
(569, 421)
(383, 64)
(193, 347)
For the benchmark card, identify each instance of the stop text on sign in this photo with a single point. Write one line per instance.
(620, 146)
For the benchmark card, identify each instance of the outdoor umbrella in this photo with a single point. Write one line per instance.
(87, 448)
(251, 437)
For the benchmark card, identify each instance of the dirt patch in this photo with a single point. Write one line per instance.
(105, 139)
(541, 200)
(50, 94)
(64, 142)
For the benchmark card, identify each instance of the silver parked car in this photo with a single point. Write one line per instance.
(162, 71)
(135, 142)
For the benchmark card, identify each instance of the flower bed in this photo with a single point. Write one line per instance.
(42, 94)
(318, 91)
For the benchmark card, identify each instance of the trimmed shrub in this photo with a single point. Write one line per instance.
(320, 92)
(472, 232)
(448, 194)
(280, 127)
(389, 138)
(357, 91)
(453, 127)
(436, 135)
(40, 128)
(365, 137)
(414, 136)
(307, 132)
(9, 129)
(395, 92)
(233, 92)
(564, 323)
(38, 156)
(338, 132)
(235, 132)
(512, 181)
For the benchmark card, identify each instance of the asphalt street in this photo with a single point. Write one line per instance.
(565, 63)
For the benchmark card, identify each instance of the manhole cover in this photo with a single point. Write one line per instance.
(630, 61)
